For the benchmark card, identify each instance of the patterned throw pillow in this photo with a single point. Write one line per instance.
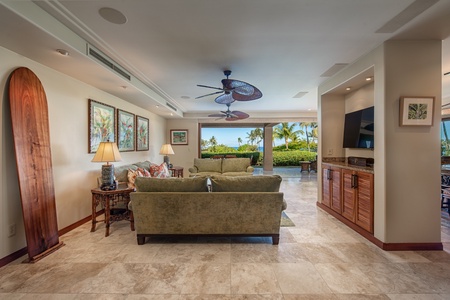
(144, 172)
(132, 176)
(160, 171)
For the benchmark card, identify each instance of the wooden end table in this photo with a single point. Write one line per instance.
(176, 171)
(115, 203)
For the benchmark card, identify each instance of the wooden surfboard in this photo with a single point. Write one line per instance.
(29, 115)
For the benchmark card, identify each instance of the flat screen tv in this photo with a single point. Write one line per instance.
(359, 129)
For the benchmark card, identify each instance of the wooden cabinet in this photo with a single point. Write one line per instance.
(331, 188)
(357, 198)
(350, 194)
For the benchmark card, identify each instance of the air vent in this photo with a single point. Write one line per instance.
(405, 16)
(171, 106)
(334, 69)
(107, 62)
(300, 94)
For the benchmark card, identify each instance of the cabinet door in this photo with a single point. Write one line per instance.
(326, 188)
(348, 195)
(364, 201)
(336, 203)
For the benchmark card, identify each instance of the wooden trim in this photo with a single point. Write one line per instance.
(412, 246)
(21, 252)
(377, 242)
(13, 256)
(78, 224)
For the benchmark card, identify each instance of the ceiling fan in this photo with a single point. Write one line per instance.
(233, 90)
(229, 115)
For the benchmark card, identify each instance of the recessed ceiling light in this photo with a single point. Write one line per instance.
(112, 15)
(157, 106)
(448, 73)
(348, 88)
(63, 52)
(368, 78)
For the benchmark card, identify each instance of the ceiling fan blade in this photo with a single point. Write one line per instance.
(217, 116)
(240, 114)
(239, 97)
(224, 99)
(208, 95)
(240, 90)
(210, 87)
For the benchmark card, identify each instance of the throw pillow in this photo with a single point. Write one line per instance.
(144, 172)
(132, 174)
(160, 171)
(174, 184)
(263, 183)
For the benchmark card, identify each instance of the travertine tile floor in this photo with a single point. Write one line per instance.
(319, 258)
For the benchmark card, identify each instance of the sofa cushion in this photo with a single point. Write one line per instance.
(235, 164)
(263, 183)
(174, 184)
(208, 165)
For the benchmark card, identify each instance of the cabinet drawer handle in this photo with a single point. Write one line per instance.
(354, 181)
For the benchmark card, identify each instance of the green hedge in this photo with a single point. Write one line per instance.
(280, 158)
(292, 158)
(253, 155)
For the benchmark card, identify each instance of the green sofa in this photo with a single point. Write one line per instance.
(236, 206)
(223, 166)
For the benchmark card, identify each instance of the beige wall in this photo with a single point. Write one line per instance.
(73, 172)
(407, 160)
(184, 154)
(412, 68)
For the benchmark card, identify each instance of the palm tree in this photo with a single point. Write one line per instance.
(251, 137)
(312, 134)
(286, 132)
(204, 144)
(239, 141)
(213, 143)
(259, 135)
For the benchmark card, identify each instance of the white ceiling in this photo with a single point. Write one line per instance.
(169, 46)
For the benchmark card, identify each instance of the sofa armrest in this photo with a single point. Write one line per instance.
(250, 169)
(193, 169)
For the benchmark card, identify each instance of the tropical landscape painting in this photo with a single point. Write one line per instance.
(125, 130)
(142, 134)
(101, 124)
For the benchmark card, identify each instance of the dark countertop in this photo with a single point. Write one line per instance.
(350, 167)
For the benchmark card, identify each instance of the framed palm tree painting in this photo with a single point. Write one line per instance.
(102, 119)
(125, 130)
(142, 134)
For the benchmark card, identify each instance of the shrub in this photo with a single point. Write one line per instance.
(292, 158)
(253, 155)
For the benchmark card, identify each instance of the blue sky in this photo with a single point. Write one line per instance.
(229, 136)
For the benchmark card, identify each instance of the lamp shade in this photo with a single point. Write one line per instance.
(107, 152)
(166, 149)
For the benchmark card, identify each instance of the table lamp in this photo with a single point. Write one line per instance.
(166, 150)
(107, 152)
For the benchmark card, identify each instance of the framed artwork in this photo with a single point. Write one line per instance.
(416, 111)
(179, 137)
(142, 136)
(102, 119)
(125, 130)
